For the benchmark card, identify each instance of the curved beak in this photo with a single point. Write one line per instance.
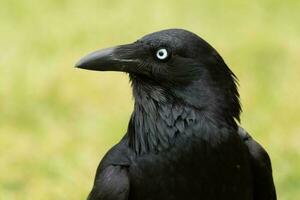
(119, 58)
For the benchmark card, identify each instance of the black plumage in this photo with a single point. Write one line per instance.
(183, 139)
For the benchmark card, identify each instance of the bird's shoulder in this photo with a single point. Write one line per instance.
(256, 151)
(261, 168)
(120, 154)
(112, 183)
(112, 179)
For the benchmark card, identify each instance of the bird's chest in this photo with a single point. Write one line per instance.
(191, 170)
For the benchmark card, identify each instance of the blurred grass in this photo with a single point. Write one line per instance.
(56, 122)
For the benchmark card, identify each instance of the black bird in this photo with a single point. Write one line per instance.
(183, 139)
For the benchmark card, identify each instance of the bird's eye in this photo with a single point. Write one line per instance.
(162, 54)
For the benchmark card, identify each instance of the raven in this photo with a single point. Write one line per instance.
(183, 139)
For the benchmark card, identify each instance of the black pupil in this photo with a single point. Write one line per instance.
(161, 53)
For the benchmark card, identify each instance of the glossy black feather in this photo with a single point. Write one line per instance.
(261, 168)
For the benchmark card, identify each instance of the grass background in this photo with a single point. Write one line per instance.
(56, 122)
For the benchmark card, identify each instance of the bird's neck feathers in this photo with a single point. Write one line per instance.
(162, 114)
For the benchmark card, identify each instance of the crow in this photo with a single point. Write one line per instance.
(183, 139)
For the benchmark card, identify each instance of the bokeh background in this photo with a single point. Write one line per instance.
(56, 122)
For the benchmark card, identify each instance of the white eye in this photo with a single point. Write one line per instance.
(162, 54)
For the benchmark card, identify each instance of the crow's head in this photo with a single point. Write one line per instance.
(177, 61)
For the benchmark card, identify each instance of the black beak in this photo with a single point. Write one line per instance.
(120, 58)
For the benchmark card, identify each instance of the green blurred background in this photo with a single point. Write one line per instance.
(56, 122)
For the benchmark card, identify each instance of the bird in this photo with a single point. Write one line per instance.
(184, 139)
